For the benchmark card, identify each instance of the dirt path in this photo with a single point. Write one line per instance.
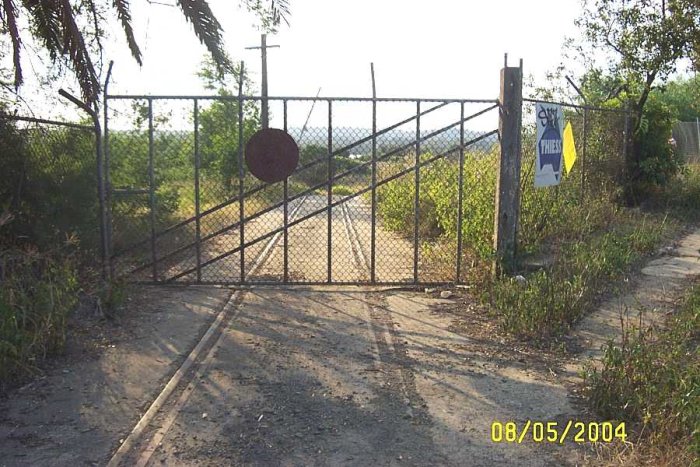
(311, 376)
(76, 413)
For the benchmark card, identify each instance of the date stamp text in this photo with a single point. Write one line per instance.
(554, 432)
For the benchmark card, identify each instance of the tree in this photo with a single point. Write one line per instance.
(645, 41)
(219, 127)
(71, 31)
(683, 97)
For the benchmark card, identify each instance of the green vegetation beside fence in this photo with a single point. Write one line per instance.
(651, 380)
(48, 238)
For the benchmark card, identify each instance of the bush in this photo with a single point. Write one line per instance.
(37, 293)
(48, 184)
(553, 299)
(438, 205)
(343, 190)
(658, 161)
(48, 197)
(652, 380)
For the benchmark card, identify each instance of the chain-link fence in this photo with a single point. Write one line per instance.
(686, 138)
(48, 183)
(596, 177)
(375, 197)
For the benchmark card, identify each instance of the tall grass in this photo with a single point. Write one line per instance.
(38, 291)
(48, 231)
(578, 230)
(652, 381)
(552, 299)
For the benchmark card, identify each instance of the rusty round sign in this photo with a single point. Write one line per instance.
(271, 155)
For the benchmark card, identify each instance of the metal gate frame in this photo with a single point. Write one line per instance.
(288, 222)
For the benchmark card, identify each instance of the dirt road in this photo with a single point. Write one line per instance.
(347, 377)
(296, 376)
(293, 376)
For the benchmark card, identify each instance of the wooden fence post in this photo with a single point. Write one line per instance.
(508, 181)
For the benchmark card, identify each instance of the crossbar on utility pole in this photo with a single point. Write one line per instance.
(263, 53)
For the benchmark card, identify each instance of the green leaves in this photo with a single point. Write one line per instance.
(207, 29)
(122, 7)
(60, 26)
(652, 378)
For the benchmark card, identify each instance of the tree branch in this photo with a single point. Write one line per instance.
(11, 20)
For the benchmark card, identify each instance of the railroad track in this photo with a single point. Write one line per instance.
(139, 450)
(387, 351)
(388, 356)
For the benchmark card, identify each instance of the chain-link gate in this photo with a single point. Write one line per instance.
(387, 191)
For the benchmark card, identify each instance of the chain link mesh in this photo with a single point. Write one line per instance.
(48, 182)
(596, 176)
(182, 220)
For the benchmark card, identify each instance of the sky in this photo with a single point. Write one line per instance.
(440, 48)
(435, 49)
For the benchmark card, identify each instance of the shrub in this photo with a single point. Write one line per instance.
(658, 162)
(438, 201)
(343, 190)
(48, 184)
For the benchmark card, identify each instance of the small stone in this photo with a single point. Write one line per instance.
(446, 294)
(521, 280)
(205, 415)
(430, 289)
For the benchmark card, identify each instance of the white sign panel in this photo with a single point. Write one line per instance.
(548, 161)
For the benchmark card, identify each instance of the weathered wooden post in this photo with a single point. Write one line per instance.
(508, 181)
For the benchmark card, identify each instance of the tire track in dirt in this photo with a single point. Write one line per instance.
(355, 388)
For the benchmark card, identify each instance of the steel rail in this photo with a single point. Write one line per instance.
(133, 439)
(299, 98)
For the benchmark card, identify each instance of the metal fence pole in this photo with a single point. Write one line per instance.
(460, 196)
(241, 175)
(329, 243)
(99, 162)
(583, 153)
(104, 242)
(197, 206)
(416, 199)
(285, 233)
(373, 239)
(697, 128)
(152, 190)
(107, 178)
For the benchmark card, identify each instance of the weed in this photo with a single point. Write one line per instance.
(111, 296)
(553, 299)
(37, 293)
(652, 381)
(343, 190)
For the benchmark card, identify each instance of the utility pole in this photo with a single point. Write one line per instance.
(263, 52)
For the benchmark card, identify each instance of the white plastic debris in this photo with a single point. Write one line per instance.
(521, 280)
